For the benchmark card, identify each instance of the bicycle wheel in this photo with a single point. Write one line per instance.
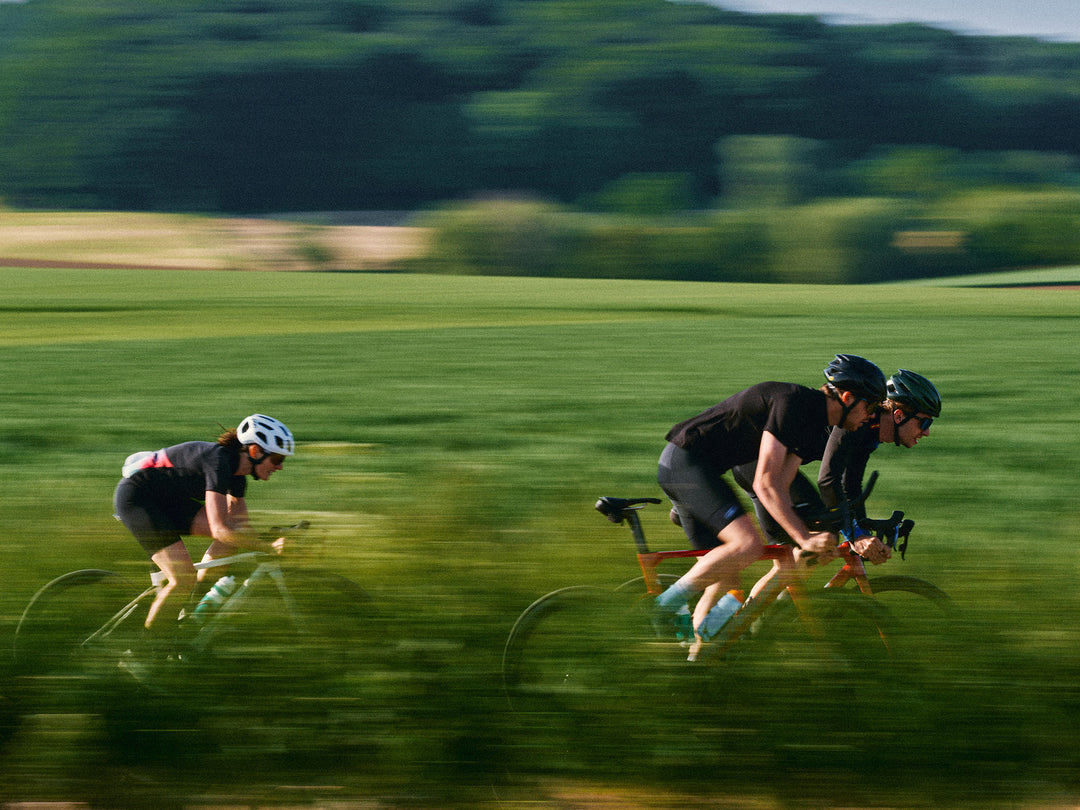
(308, 659)
(924, 615)
(637, 584)
(897, 586)
(316, 628)
(77, 621)
(830, 633)
(573, 650)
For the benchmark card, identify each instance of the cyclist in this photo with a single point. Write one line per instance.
(911, 405)
(778, 426)
(197, 488)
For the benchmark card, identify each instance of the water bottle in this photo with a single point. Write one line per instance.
(684, 624)
(719, 614)
(214, 598)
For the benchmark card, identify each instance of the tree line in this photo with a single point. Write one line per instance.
(278, 105)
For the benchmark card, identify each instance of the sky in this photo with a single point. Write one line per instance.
(1057, 20)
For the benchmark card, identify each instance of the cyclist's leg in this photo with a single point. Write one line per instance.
(157, 528)
(713, 518)
(807, 501)
(175, 561)
(740, 546)
(200, 527)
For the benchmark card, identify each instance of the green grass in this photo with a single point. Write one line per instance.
(1043, 276)
(453, 435)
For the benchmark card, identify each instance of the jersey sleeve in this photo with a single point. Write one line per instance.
(843, 467)
(831, 474)
(799, 421)
(221, 476)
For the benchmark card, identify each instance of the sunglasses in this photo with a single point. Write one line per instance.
(924, 422)
(277, 459)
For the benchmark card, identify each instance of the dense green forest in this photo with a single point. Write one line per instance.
(271, 105)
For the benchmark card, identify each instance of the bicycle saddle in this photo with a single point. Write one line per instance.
(613, 508)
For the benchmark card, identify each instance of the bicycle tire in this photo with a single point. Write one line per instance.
(847, 633)
(569, 650)
(55, 632)
(925, 617)
(308, 685)
(913, 586)
(637, 584)
(324, 631)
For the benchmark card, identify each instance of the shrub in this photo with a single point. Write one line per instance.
(844, 241)
(1011, 229)
(502, 236)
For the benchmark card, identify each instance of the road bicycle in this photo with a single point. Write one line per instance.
(580, 646)
(300, 623)
(286, 667)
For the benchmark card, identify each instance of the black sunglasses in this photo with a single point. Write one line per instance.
(924, 422)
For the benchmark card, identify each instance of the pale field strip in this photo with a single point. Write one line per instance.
(197, 243)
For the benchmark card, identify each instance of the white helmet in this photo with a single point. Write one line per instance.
(268, 433)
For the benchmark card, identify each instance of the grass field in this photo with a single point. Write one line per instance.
(453, 435)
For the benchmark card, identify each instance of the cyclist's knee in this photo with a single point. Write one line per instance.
(741, 538)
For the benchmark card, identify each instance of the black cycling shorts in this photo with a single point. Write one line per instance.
(154, 525)
(705, 502)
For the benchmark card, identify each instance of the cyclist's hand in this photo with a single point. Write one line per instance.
(871, 549)
(821, 543)
(278, 545)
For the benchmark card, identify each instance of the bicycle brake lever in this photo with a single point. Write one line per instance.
(903, 531)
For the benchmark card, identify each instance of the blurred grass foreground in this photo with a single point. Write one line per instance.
(454, 433)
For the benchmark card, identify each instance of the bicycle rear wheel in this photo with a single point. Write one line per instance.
(573, 650)
(78, 621)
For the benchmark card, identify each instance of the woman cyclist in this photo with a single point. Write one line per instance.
(911, 405)
(776, 426)
(197, 488)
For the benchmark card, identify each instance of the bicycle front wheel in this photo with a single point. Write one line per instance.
(828, 633)
(315, 627)
(78, 620)
(925, 617)
(308, 656)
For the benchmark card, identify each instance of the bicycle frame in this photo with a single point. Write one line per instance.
(783, 555)
(268, 568)
(785, 578)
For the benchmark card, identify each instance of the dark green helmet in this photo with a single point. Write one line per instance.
(849, 372)
(914, 392)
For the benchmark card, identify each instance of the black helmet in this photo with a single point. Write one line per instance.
(849, 372)
(915, 392)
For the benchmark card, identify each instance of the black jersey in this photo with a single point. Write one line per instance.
(730, 432)
(188, 471)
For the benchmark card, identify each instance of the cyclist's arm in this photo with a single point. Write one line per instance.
(776, 470)
(833, 464)
(227, 517)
